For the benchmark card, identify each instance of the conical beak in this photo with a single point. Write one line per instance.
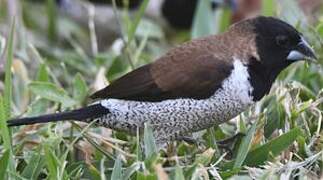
(303, 51)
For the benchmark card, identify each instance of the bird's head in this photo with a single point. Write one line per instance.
(269, 45)
(278, 43)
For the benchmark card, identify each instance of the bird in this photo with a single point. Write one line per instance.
(201, 83)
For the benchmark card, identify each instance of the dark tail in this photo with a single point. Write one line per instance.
(92, 111)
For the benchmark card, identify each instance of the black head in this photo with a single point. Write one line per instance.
(278, 43)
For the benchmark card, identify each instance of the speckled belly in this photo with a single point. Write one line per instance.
(175, 117)
(172, 117)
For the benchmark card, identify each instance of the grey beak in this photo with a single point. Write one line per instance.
(302, 51)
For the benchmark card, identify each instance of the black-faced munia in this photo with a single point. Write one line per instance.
(196, 85)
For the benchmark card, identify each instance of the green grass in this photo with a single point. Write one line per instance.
(5, 109)
(50, 65)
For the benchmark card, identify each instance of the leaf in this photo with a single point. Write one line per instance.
(211, 138)
(203, 22)
(275, 116)
(138, 16)
(2, 44)
(8, 78)
(219, 134)
(42, 74)
(229, 173)
(142, 176)
(302, 146)
(95, 174)
(5, 101)
(75, 170)
(117, 169)
(4, 131)
(38, 107)
(319, 29)
(80, 88)
(242, 126)
(244, 147)
(179, 173)
(52, 162)
(190, 171)
(51, 92)
(149, 28)
(51, 17)
(272, 148)
(206, 157)
(223, 19)
(200, 173)
(4, 161)
(131, 170)
(304, 89)
(34, 167)
(149, 140)
(102, 169)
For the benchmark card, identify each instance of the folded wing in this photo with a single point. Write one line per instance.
(183, 73)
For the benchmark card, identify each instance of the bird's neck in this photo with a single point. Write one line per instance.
(261, 78)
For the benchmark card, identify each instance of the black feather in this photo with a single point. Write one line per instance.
(89, 112)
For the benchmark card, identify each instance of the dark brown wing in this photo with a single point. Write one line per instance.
(186, 72)
(136, 85)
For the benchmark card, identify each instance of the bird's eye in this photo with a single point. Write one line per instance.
(282, 41)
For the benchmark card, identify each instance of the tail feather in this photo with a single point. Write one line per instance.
(92, 111)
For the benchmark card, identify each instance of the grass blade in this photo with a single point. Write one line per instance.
(4, 131)
(202, 23)
(4, 161)
(150, 145)
(5, 101)
(8, 77)
(131, 170)
(80, 88)
(138, 17)
(42, 74)
(223, 19)
(179, 175)
(272, 148)
(102, 169)
(52, 27)
(244, 147)
(117, 169)
(2, 45)
(52, 162)
(34, 167)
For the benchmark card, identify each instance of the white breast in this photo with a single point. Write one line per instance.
(237, 84)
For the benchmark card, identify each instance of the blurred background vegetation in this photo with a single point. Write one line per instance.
(53, 54)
